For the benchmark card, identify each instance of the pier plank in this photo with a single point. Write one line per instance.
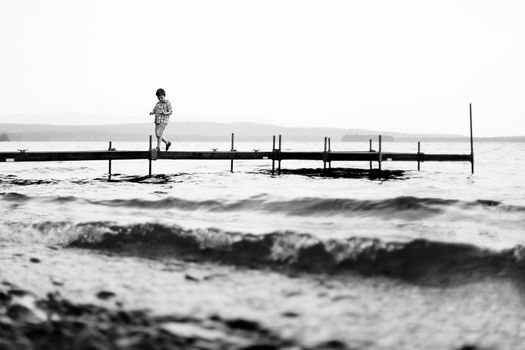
(214, 155)
(446, 157)
(226, 155)
(72, 156)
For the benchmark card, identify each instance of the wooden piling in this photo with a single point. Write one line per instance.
(324, 155)
(471, 141)
(380, 154)
(279, 162)
(109, 163)
(232, 149)
(418, 155)
(370, 150)
(329, 150)
(149, 158)
(273, 156)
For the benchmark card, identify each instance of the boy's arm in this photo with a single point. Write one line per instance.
(168, 111)
(154, 110)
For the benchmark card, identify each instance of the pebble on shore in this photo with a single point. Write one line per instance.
(29, 323)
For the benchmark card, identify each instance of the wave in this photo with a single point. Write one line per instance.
(14, 197)
(25, 182)
(419, 260)
(307, 206)
(144, 179)
(116, 177)
(416, 260)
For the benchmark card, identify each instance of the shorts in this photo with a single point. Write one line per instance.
(159, 129)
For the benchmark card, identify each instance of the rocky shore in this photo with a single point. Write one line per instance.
(30, 323)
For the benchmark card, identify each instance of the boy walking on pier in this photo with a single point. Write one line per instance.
(162, 112)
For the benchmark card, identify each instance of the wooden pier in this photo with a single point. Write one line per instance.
(276, 155)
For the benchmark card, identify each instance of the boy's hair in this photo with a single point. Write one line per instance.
(160, 92)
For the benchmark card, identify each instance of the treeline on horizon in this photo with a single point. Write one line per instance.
(208, 131)
(106, 136)
(463, 139)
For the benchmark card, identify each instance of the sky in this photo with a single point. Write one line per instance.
(405, 66)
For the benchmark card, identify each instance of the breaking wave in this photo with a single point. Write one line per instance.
(417, 260)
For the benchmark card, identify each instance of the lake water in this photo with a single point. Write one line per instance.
(429, 259)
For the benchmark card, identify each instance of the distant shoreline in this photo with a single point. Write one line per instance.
(184, 138)
(208, 131)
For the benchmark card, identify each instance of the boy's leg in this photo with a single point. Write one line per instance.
(162, 138)
(166, 142)
(159, 129)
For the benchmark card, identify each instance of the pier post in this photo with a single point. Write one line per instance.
(471, 141)
(370, 150)
(273, 156)
(329, 150)
(109, 163)
(232, 149)
(324, 155)
(279, 162)
(149, 158)
(418, 155)
(380, 157)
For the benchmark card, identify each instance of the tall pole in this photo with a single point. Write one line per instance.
(471, 140)
(231, 164)
(149, 158)
(329, 150)
(109, 163)
(273, 156)
(418, 155)
(279, 163)
(324, 155)
(370, 150)
(380, 156)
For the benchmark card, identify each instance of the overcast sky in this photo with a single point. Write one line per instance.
(408, 66)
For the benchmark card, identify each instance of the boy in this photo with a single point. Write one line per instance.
(162, 112)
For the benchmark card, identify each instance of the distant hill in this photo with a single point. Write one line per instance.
(4, 137)
(208, 131)
(462, 139)
(365, 138)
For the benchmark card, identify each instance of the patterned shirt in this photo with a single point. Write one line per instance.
(162, 112)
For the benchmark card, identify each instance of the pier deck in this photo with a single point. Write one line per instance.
(228, 155)
(276, 155)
